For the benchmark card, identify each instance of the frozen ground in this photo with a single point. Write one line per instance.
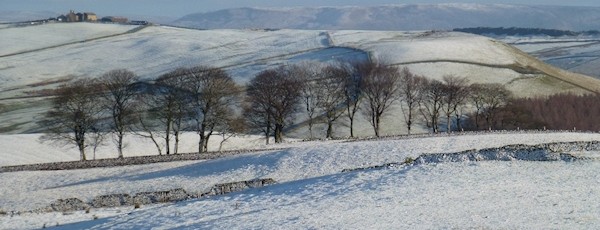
(580, 54)
(18, 39)
(158, 49)
(312, 192)
(152, 51)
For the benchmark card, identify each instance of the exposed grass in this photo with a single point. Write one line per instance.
(12, 127)
(51, 81)
(9, 107)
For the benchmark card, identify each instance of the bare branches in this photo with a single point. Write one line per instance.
(380, 88)
(488, 100)
(333, 90)
(276, 93)
(410, 94)
(211, 91)
(430, 103)
(455, 92)
(75, 113)
(119, 99)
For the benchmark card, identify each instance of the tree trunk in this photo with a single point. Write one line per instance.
(278, 133)
(267, 135)
(81, 147)
(168, 137)
(268, 128)
(329, 129)
(376, 125)
(409, 120)
(352, 127)
(458, 125)
(206, 142)
(448, 123)
(201, 142)
(351, 118)
(176, 146)
(310, 128)
(120, 144)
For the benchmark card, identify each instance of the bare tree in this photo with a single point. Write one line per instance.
(165, 104)
(455, 90)
(332, 88)
(353, 89)
(277, 93)
(257, 117)
(310, 76)
(74, 114)
(146, 127)
(211, 90)
(430, 102)
(380, 88)
(488, 100)
(119, 99)
(230, 127)
(410, 94)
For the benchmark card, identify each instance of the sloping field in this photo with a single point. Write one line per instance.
(155, 50)
(313, 193)
(577, 54)
(19, 39)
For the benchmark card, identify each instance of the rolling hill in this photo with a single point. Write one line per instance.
(312, 191)
(313, 188)
(54, 53)
(400, 17)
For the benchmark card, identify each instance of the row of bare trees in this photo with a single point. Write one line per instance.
(207, 100)
(325, 92)
(117, 103)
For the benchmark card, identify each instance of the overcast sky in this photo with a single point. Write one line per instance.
(177, 8)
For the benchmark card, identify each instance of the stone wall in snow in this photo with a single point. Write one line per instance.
(144, 198)
(541, 152)
(113, 162)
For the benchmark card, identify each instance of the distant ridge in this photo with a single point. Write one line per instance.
(400, 17)
(19, 16)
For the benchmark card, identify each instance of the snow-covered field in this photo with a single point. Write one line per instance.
(158, 49)
(313, 193)
(243, 53)
(574, 53)
(19, 39)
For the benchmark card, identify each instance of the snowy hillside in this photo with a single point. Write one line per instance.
(156, 50)
(15, 40)
(400, 17)
(313, 193)
(578, 53)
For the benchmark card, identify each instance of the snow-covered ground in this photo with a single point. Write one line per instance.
(22, 149)
(574, 53)
(243, 53)
(313, 193)
(158, 49)
(19, 39)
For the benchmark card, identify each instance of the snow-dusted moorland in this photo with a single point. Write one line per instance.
(155, 50)
(312, 191)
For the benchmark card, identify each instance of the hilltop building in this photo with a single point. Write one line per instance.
(77, 17)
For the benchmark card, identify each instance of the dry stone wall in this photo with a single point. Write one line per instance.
(113, 162)
(144, 198)
(559, 151)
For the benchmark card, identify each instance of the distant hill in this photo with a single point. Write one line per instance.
(400, 17)
(513, 31)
